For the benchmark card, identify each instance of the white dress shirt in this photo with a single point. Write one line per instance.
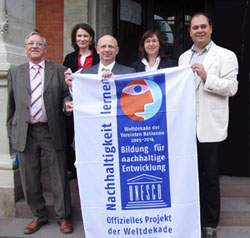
(107, 68)
(154, 67)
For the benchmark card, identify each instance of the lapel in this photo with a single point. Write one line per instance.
(187, 58)
(48, 73)
(25, 77)
(116, 69)
(140, 66)
(161, 64)
(94, 69)
(91, 70)
(186, 61)
(209, 59)
(75, 62)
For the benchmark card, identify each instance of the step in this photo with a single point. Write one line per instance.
(23, 211)
(235, 201)
(235, 186)
(233, 232)
(235, 212)
(13, 228)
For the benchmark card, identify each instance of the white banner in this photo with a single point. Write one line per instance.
(136, 156)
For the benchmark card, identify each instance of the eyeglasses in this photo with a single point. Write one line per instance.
(39, 44)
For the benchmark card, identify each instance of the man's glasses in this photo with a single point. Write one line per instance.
(39, 44)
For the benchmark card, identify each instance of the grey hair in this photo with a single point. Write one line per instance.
(35, 32)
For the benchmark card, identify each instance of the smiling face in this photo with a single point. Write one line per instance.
(200, 31)
(83, 39)
(35, 49)
(107, 49)
(152, 45)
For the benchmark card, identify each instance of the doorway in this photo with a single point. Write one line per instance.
(230, 26)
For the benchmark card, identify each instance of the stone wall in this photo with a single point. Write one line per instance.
(16, 21)
(75, 11)
(97, 13)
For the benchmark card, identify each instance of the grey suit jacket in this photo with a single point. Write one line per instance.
(55, 94)
(117, 69)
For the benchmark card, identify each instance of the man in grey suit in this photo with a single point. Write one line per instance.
(217, 70)
(35, 122)
(107, 49)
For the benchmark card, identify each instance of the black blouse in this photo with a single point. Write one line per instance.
(71, 60)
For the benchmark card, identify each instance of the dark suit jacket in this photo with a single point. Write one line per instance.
(55, 94)
(164, 63)
(71, 60)
(117, 69)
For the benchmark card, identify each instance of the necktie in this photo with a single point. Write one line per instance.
(36, 94)
(104, 70)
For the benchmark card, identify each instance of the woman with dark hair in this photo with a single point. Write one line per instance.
(151, 53)
(84, 56)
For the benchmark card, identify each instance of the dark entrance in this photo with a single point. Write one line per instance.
(230, 30)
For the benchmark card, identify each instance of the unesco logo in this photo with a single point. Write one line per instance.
(141, 99)
(146, 191)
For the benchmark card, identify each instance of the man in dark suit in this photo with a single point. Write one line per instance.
(107, 49)
(35, 122)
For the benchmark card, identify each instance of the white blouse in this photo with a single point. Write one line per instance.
(154, 67)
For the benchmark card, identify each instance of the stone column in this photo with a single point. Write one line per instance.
(101, 16)
(14, 26)
(74, 12)
(3, 17)
(97, 13)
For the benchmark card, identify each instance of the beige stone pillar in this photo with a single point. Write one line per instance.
(74, 12)
(101, 16)
(97, 13)
(13, 28)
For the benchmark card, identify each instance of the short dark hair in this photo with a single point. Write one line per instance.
(201, 14)
(85, 27)
(149, 33)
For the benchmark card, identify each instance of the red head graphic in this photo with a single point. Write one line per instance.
(134, 97)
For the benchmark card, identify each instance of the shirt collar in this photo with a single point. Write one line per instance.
(157, 61)
(41, 64)
(90, 55)
(108, 67)
(206, 49)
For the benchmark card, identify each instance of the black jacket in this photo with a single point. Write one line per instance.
(164, 63)
(71, 60)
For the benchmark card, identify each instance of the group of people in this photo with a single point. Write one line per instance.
(49, 90)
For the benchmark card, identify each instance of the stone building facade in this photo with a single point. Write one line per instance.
(55, 20)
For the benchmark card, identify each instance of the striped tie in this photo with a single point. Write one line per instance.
(36, 94)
